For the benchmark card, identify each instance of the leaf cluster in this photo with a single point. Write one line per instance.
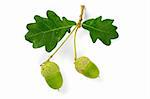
(49, 31)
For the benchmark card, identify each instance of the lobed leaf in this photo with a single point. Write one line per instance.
(48, 31)
(101, 29)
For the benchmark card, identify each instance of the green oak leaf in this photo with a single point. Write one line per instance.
(48, 31)
(101, 29)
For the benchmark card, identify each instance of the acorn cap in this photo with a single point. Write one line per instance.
(86, 67)
(52, 75)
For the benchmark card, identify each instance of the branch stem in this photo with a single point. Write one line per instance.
(62, 43)
(78, 25)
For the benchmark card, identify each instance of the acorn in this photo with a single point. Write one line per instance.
(52, 74)
(86, 67)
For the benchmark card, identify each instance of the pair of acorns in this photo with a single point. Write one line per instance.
(51, 72)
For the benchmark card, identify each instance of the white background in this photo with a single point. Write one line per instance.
(124, 66)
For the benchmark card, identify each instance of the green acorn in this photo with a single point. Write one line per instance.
(52, 75)
(86, 67)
